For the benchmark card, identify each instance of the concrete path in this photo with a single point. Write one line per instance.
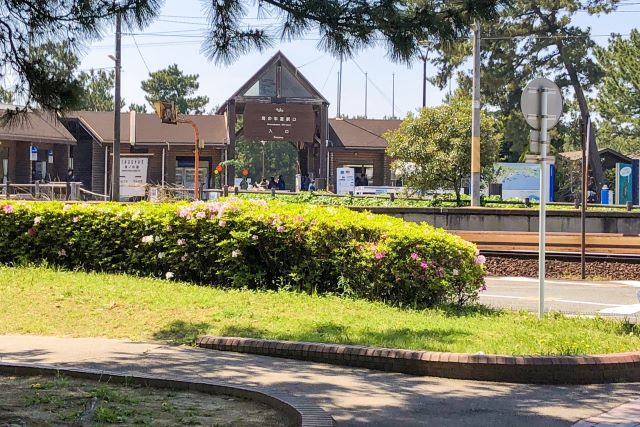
(352, 396)
(617, 298)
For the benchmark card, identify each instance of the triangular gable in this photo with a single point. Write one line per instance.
(264, 82)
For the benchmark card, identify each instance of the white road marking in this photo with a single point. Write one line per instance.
(584, 302)
(622, 309)
(504, 296)
(532, 298)
(632, 283)
(562, 282)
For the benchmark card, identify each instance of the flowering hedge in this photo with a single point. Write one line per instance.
(249, 243)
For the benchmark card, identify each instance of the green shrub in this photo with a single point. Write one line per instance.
(249, 243)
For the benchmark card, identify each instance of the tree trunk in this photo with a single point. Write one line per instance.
(594, 156)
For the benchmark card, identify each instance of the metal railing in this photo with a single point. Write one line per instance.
(42, 191)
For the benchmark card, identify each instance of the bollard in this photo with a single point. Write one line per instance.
(225, 190)
(273, 192)
(629, 206)
(74, 191)
(392, 196)
(236, 190)
(7, 190)
(527, 202)
(37, 190)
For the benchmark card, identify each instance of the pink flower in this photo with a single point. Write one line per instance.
(483, 287)
(222, 223)
(300, 218)
(76, 219)
(380, 255)
(280, 229)
(414, 256)
(236, 253)
(37, 220)
(8, 209)
(181, 242)
(424, 265)
(254, 237)
(185, 212)
(66, 208)
(200, 215)
(480, 259)
(32, 232)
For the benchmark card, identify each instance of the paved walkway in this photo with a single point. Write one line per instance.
(353, 396)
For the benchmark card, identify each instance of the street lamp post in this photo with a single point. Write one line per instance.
(115, 174)
(263, 148)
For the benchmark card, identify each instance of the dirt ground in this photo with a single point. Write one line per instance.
(596, 270)
(49, 401)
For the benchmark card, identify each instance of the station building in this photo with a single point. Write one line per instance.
(276, 104)
(33, 147)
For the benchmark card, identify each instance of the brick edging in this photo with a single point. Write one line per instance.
(298, 409)
(596, 369)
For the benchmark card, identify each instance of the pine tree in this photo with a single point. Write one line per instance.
(171, 84)
(619, 93)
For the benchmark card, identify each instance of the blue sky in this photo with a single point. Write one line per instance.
(185, 19)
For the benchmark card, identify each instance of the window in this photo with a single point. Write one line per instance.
(266, 85)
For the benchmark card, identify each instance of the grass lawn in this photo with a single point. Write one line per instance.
(35, 300)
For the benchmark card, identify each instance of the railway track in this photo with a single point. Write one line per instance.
(559, 246)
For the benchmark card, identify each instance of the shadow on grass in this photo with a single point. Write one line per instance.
(436, 339)
(470, 310)
(180, 332)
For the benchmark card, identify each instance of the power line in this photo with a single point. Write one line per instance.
(328, 75)
(140, 52)
(374, 85)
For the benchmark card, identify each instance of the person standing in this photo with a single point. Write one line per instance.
(69, 179)
(281, 185)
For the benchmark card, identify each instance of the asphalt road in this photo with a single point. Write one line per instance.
(618, 298)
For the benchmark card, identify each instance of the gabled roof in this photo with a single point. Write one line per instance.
(360, 133)
(150, 130)
(278, 58)
(36, 126)
(577, 155)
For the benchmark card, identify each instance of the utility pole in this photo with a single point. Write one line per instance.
(393, 95)
(424, 58)
(475, 119)
(339, 87)
(366, 81)
(115, 174)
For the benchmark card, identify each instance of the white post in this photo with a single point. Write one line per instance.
(163, 161)
(106, 170)
(543, 197)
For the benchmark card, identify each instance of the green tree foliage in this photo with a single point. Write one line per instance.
(171, 84)
(434, 147)
(28, 23)
(344, 26)
(533, 38)
(96, 94)
(280, 158)
(619, 93)
(6, 96)
(138, 108)
(59, 62)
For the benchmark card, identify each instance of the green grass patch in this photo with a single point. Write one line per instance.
(43, 301)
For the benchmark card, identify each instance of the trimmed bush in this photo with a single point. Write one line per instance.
(249, 244)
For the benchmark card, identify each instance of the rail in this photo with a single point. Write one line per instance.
(41, 191)
(597, 243)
